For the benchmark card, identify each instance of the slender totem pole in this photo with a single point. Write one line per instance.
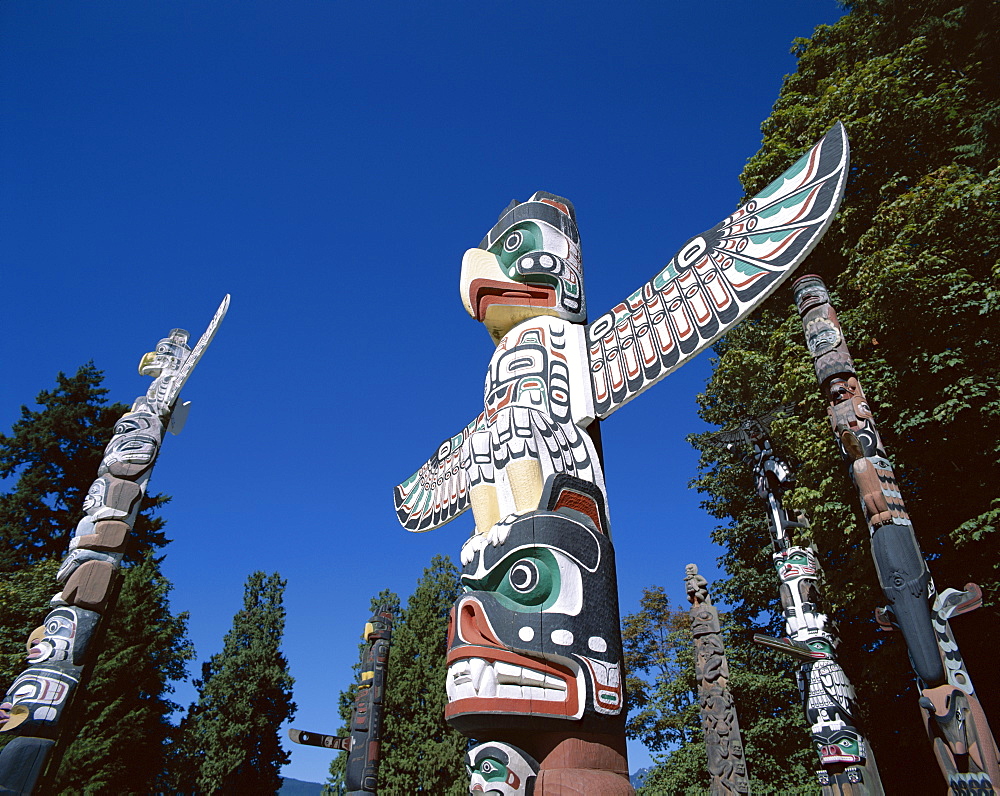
(363, 744)
(723, 743)
(956, 724)
(846, 757)
(534, 650)
(60, 651)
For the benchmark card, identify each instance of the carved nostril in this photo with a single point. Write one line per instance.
(474, 627)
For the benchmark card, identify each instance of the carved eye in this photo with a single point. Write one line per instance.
(523, 576)
(531, 579)
(517, 241)
(514, 241)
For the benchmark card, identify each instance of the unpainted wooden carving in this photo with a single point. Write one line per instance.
(723, 744)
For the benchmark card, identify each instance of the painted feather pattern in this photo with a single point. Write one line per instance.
(717, 278)
(439, 491)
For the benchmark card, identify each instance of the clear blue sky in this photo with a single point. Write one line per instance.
(328, 163)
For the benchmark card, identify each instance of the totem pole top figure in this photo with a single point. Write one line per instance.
(551, 378)
(535, 638)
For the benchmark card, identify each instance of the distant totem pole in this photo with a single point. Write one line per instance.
(60, 651)
(363, 744)
(956, 724)
(723, 743)
(846, 757)
(534, 651)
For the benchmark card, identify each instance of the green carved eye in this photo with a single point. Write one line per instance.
(820, 646)
(527, 580)
(518, 240)
(492, 770)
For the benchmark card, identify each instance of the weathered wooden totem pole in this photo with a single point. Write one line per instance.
(61, 651)
(956, 724)
(723, 743)
(363, 744)
(534, 649)
(846, 757)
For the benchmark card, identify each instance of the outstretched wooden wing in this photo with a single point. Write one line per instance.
(717, 277)
(439, 491)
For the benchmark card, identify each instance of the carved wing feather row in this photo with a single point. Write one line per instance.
(439, 491)
(717, 278)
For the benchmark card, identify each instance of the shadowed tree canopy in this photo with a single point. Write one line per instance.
(913, 262)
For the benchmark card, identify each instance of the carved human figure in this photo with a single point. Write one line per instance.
(37, 698)
(696, 586)
(827, 696)
(535, 642)
(723, 744)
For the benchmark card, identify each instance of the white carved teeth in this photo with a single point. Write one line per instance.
(476, 677)
(488, 682)
(477, 666)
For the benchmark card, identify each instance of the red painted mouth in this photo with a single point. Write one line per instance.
(565, 708)
(485, 292)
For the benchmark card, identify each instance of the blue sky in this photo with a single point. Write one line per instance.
(327, 164)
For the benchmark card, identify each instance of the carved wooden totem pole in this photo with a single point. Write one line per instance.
(956, 724)
(61, 651)
(534, 648)
(846, 757)
(363, 744)
(723, 743)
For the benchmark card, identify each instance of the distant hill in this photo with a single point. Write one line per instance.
(637, 778)
(296, 787)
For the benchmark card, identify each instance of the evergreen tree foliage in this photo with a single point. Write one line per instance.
(420, 752)
(913, 263)
(124, 720)
(54, 453)
(229, 739)
(24, 595)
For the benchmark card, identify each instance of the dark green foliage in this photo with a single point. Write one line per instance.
(120, 719)
(123, 722)
(914, 266)
(664, 709)
(420, 753)
(229, 741)
(55, 452)
(24, 595)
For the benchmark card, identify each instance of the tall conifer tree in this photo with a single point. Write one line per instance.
(420, 752)
(230, 738)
